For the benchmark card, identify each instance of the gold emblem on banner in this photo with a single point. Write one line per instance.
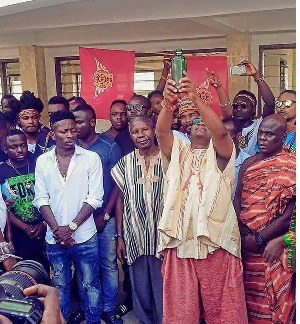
(102, 79)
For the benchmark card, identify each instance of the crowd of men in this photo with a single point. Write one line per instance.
(198, 208)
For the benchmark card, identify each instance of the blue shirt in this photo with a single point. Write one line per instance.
(109, 153)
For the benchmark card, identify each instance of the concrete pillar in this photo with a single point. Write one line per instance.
(238, 49)
(33, 74)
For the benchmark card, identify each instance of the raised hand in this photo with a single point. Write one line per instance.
(171, 92)
(187, 86)
(213, 79)
(251, 70)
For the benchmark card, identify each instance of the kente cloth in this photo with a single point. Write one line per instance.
(198, 215)
(268, 186)
(143, 202)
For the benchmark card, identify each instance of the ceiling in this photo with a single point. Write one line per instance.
(108, 22)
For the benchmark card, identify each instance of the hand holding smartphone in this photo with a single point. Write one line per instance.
(237, 70)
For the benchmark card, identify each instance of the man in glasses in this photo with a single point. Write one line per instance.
(286, 107)
(202, 263)
(243, 107)
(138, 106)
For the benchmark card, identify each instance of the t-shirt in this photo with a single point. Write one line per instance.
(21, 184)
(247, 139)
(109, 153)
(3, 156)
(125, 142)
(290, 142)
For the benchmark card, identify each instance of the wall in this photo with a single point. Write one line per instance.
(214, 42)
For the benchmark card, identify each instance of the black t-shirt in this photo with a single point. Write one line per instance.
(125, 142)
(21, 184)
(3, 156)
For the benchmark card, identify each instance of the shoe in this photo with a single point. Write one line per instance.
(111, 318)
(123, 309)
(76, 317)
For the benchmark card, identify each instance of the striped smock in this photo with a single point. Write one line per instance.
(143, 202)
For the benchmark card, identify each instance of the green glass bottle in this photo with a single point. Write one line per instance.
(178, 66)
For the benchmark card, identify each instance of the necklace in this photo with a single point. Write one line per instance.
(27, 184)
(63, 174)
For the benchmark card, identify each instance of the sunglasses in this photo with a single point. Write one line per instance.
(287, 103)
(243, 105)
(197, 121)
(138, 107)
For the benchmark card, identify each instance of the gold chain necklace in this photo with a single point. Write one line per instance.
(64, 175)
(27, 184)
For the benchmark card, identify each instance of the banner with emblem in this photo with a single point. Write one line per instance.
(106, 75)
(196, 66)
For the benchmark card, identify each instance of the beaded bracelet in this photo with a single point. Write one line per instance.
(168, 106)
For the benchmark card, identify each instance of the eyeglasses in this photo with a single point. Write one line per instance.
(137, 106)
(243, 105)
(287, 103)
(197, 121)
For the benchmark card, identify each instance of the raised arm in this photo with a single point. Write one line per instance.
(264, 89)
(164, 74)
(224, 100)
(163, 130)
(220, 137)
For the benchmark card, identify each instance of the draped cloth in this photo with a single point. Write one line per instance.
(268, 186)
(198, 216)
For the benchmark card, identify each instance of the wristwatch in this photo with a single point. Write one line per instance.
(73, 226)
(106, 217)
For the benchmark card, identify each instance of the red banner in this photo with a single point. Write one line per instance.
(196, 69)
(106, 75)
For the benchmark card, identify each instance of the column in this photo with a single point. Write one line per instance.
(33, 74)
(238, 49)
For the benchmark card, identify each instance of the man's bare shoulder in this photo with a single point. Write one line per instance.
(251, 160)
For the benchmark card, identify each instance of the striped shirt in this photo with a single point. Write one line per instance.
(143, 202)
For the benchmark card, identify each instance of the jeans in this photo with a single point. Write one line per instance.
(108, 266)
(85, 258)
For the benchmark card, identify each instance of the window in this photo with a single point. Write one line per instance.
(10, 80)
(278, 65)
(68, 76)
(148, 67)
(283, 75)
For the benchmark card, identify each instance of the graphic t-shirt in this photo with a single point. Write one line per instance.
(20, 186)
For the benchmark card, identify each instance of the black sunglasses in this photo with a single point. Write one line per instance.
(243, 105)
(137, 106)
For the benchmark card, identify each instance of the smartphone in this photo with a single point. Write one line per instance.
(237, 70)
